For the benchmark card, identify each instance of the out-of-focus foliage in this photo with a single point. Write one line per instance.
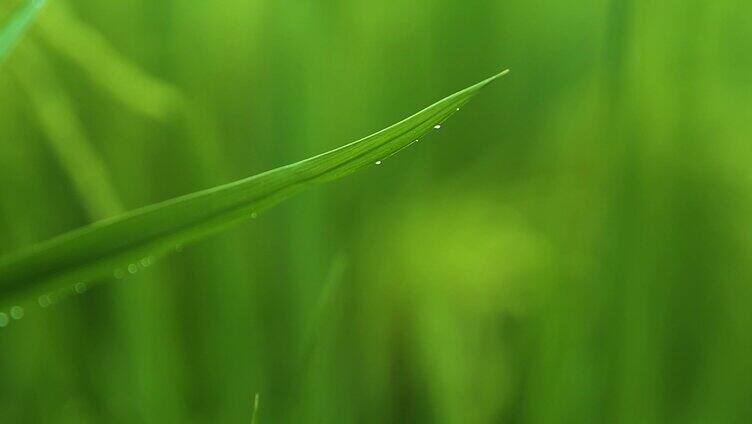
(12, 29)
(575, 249)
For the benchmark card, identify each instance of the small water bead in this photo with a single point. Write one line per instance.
(132, 268)
(378, 162)
(146, 261)
(437, 126)
(80, 287)
(119, 274)
(16, 312)
(254, 215)
(4, 320)
(45, 300)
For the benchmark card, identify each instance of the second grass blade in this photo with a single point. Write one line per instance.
(130, 241)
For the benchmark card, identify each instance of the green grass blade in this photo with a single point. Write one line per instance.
(12, 31)
(105, 67)
(127, 242)
(255, 409)
(65, 133)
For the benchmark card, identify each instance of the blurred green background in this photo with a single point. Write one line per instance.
(574, 246)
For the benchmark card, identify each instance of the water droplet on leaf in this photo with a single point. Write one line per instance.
(44, 300)
(16, 312)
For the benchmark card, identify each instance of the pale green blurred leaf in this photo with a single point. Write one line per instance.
(11, 31)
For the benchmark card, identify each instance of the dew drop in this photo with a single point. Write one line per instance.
(80, 287)
(146, 261)
(437, 126)
(254, 215)
(44, 300)
(458, 108)
(119, 274)
(378, 162)
(132, 268)
(4, 320)
(16, 312)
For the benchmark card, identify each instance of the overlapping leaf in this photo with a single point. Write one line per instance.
(11, 31)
